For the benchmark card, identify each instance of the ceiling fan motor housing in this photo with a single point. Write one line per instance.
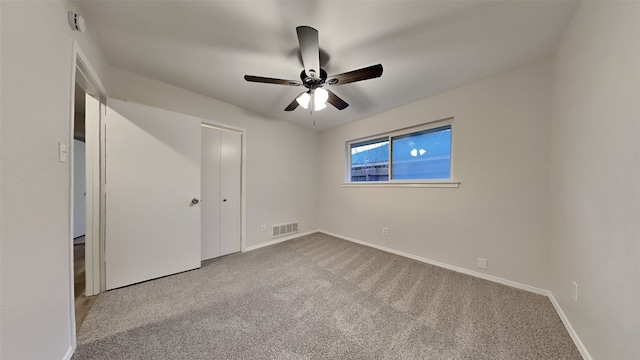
(313, 82)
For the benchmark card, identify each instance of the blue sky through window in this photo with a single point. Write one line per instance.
(370, 153)
(424, 155)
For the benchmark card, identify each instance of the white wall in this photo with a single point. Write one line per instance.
(502, 146)
(281, 158)
(79, 186)
(35, 232)
(596, 177)
(500, 155)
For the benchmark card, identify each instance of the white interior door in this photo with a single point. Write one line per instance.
(152, 174)
(221, 184)
(210, 193)
(230, 180)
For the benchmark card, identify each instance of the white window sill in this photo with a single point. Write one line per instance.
(405, 184)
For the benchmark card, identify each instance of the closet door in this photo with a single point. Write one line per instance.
(152, 175)
(230, 179)
(221, 200)
(210, 193)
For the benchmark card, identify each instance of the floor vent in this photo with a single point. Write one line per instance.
(284, 229)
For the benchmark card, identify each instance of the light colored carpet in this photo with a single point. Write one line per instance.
(319, 297)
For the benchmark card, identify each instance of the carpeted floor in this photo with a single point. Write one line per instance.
(319, 297)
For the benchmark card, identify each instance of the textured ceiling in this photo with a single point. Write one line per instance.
(426, 47)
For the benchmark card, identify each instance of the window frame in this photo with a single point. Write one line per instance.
(399, 133)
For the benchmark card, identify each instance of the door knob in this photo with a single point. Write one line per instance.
(194, 201)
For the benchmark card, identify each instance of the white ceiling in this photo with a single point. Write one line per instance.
(426, 47)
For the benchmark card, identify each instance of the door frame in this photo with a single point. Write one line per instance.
(91, 83)
(243, 175)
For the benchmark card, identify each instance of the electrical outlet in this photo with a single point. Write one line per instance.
(263, 228)
(576, 291)
(482, 263)
(385, 231)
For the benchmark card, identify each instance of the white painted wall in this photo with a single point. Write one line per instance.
(500, 155)
(35, 233)
(281, 158)
(79, 186)
(502, 147)
(595, 177)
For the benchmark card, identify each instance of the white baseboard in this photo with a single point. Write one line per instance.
(576, 339)
(279, 240)
(495, 279)
(69, 353)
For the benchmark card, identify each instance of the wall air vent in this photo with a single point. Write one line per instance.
(284, 229)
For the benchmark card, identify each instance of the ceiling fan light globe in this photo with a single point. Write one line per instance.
(303, 100)
(319, 106)
(321, 96)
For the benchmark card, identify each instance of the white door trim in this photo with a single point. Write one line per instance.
(90, 80)
(243, 177)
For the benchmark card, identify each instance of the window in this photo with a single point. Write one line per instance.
(421, 153)
(370, 160)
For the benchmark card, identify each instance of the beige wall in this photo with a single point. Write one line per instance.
(596, 177)
(501, 157)
(281, 157)
(36, 66)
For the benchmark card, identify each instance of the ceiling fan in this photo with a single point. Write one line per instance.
(315, 79)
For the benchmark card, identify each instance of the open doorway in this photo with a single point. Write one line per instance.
(83, 302)
(86, 191)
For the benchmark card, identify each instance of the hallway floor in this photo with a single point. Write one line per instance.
(83, 303)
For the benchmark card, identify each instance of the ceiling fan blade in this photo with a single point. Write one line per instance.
(267, 80)
(336, 101)
(292, 106)
(310, 50)
(370, 72)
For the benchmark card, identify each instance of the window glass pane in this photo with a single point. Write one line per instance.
(370, 160)
(422, 155)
